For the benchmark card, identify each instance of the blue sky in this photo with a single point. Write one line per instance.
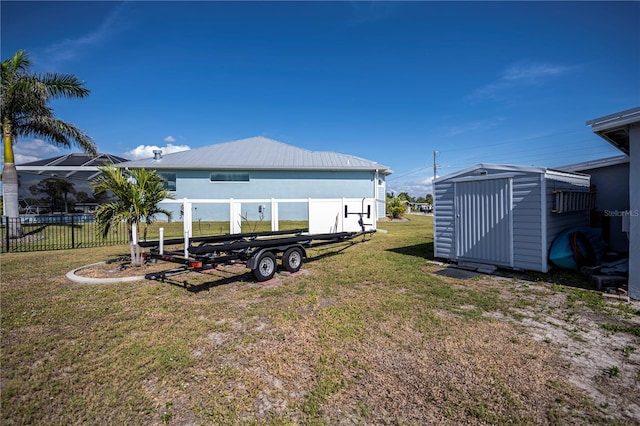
(392, 82)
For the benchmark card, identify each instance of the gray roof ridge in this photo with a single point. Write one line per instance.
(263, 138)
(257, 152)
(309, 150)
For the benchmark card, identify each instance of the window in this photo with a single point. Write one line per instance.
(229, 177)
(169, 181)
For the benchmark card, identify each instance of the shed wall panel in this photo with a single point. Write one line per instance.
(527, 222)
(444, 221)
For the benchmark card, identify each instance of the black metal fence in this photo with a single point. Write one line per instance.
(56, 232)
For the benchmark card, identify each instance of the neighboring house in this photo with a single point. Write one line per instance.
(76, 168)
(262, 168)
(610, 181)
(419, 207)
(622, 129)
(506, 216)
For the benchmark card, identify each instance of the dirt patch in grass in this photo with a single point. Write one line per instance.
(394, 219)
(579, 326)
(120, 268)
(482, 373)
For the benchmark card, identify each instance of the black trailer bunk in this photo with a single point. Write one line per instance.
(258, 250)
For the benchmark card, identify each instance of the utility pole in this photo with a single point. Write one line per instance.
(435, 167)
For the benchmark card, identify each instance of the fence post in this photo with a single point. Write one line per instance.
(73, 234)
(186, 244)
(6, 218)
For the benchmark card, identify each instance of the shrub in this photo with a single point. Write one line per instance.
(395, 207)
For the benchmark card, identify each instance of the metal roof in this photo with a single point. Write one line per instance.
(596, 164)
(614, 128)
(256, 153)
(72, 166)
(508, 168)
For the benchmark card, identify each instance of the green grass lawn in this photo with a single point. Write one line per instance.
(366, 333)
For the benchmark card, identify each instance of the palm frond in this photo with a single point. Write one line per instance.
(138, 192)
(64, 85)
(61, 132)
(24, 105)
(107, 215)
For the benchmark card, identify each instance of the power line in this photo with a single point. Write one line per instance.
(409, 173)
(527, 139)
(509, 158)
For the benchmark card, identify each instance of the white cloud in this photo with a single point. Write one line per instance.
(518, 75)
(36, 149)
(475, 126)
(170, 139)
(146, 151)
(71, 48)
(532, 72)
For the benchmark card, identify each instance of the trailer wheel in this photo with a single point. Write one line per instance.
(266, 268)
(292, 259)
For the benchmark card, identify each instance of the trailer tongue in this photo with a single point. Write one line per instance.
(258, 250)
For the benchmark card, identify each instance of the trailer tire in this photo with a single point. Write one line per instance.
(292, 259)
(266, 267)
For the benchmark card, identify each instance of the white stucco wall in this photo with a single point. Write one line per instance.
(195, 184)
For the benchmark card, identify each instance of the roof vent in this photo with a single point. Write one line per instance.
(157, 154)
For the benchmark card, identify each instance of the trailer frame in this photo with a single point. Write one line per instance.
(259, 251)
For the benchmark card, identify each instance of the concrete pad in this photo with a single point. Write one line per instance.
(461, 274)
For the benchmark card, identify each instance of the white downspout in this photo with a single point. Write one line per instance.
(376, 176)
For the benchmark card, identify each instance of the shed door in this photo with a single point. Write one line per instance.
(483, 221)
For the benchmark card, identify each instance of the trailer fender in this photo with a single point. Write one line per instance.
(252, 263)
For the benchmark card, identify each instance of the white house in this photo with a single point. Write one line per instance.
(610, 182)
(622, 129)
(263, 168)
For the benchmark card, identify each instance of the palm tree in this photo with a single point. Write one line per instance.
(24, 112)
(137, 192)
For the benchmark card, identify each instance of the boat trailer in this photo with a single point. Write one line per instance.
(258, 250)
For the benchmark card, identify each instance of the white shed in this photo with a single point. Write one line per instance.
(507, 216)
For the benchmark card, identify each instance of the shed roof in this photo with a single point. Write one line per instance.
(508, 168)
(257, 153)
